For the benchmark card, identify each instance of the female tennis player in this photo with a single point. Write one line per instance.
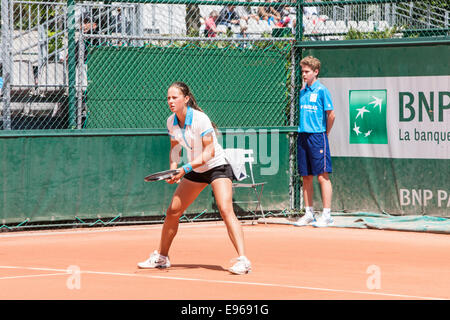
(189, 127)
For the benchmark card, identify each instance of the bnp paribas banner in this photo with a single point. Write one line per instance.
(391, 139)
(391, 117)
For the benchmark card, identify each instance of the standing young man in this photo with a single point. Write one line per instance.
(313, 152)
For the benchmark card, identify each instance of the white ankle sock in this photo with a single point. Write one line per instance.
(326, 212)
(309, 211)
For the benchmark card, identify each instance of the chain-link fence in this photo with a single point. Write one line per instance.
(375, 19)
(229, 65)
(79, 65)
(43, 90)
(214, 41)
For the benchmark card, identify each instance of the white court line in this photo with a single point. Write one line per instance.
(34, 276)
(32, 268)
(246, 283)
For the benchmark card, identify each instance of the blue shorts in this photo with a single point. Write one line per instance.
(313, 154)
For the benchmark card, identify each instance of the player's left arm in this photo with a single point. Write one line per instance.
(206, 138)
(207, 152)
(200, 159)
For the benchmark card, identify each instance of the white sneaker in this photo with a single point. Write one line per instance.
(323, 221)
(155, 261)
(241, 266)
(304, 221)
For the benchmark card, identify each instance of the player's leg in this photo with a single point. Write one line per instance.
(186, 192)
(223, 193)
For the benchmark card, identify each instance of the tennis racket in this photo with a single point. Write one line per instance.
(163, 175)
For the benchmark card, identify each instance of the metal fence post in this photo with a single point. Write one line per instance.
(296, 83)
(6, 63)
(81, 67)
(292, 160)
(71, 63)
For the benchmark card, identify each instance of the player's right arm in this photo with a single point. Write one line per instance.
(175, 154)
(174, 159)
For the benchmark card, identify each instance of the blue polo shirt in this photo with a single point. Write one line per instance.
(315, 100)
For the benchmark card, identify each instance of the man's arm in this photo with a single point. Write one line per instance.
(330, 120)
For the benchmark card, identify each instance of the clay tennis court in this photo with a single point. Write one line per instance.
(289, 263)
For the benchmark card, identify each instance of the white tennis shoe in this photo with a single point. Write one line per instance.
(323, 221)
(307, 219)
(155, 261)
(241, 266)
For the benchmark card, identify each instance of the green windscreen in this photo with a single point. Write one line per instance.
(127, 87)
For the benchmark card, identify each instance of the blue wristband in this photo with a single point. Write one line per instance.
(187, 168)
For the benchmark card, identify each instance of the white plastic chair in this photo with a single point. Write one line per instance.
(330, 26)
(341, 26)
(253, 27)
(352, 25)
(382, 25)
(240, 159)
(319, 27)
(308, 26)
(221, 27)
(363, 26)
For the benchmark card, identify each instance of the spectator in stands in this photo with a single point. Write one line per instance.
(210, 25)
(228, 17)
(310, 12)
(269, 14)
(88, 26)
(246, 12)
(118, 21)
(282, 11)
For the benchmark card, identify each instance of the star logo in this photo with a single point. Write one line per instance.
(367, 110)
(361, 112)
(376, 102)
(356, 129)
